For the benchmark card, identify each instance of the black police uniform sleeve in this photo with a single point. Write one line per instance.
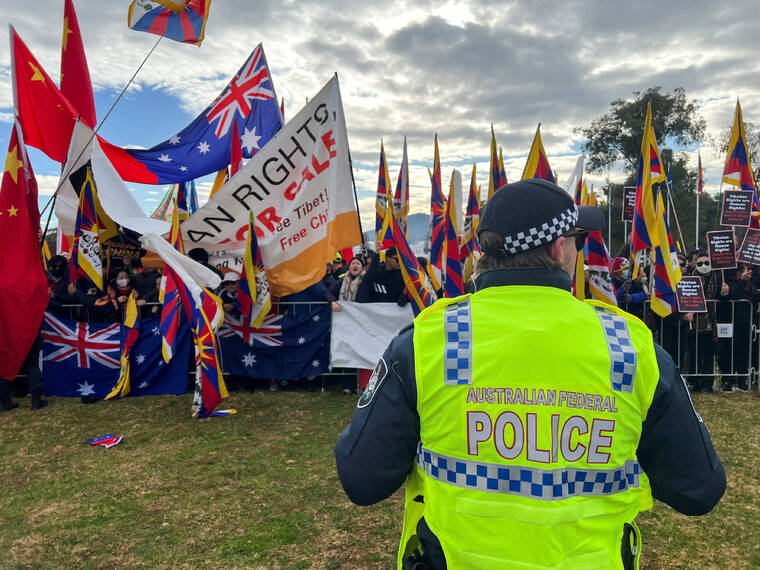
(376, 452)
(675, 449)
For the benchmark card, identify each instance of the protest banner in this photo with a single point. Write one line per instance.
(736, 208)
(629, 203)
(300, 191)
(749, 251)
(690, 295)
(720, 246)
(355, 345)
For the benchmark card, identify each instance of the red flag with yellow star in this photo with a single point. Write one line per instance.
(75, 75)
(23, 286)
(46, 117)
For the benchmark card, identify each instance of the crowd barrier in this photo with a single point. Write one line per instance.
(735, 343)
(733, 336)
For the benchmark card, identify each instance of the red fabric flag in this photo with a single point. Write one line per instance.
(236, 152)
(23, 285)
(45, 115)
(75, 76)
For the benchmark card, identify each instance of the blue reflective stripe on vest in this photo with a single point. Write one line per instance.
(622, 352)
(457, 356)
(544, 484)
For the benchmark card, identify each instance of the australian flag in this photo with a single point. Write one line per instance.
(82, 359)
(203, 147)
(293, 342)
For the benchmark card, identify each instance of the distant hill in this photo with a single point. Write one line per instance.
(419, 225)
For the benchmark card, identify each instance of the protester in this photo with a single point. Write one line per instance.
(702, 329)
(733, 352)
(631, 293)
(347, 287)
(230, 288)
(383, 282)
(674, 329)
(539, 351)
(201, 256)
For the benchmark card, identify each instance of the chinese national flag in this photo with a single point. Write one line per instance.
(23, 286)
(75, 76)
(46, 117)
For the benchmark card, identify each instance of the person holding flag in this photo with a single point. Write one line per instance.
(477, 408)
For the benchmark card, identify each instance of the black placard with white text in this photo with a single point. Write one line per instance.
(629, 202)
(720, 246)
(749, 252)
(690, 296)
(736, 208)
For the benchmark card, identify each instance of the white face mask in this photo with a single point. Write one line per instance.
(122, 282)
(625, 274)
(703, 269)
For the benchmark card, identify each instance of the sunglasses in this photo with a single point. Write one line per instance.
(703, 264)
(580, 238)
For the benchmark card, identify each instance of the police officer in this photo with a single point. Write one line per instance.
(531, 428)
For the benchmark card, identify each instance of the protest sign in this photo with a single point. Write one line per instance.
(720, 245)
(736, 208)
(690, 296)
(299, 189)
(629, 202)
(749, 252)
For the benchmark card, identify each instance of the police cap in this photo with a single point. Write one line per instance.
(534, 212)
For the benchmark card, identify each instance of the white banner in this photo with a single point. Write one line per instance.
(114, 196)
(362, 331)
(299, 188)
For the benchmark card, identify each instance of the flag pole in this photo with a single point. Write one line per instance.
(696, 231)
(675, 214)
(609, 216)
(100, 124)
(353, 183)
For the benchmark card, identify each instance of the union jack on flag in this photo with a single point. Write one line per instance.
(247, 86)
(204, 146)
(269, 333)
(86, 346)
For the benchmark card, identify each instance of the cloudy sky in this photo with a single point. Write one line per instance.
(414, 69)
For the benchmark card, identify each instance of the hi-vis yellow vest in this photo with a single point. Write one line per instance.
(531, 404)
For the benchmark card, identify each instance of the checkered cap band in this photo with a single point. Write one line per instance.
(623, 357)
(549, 231)
(542, 484)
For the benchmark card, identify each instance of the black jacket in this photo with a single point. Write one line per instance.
(376, 452)
(381, 285)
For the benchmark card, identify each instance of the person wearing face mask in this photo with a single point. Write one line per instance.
(701, 337)
(630, 293)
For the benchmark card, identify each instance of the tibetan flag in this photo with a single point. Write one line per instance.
(131, 334)
(168, 296)
(401, 196)
(600, 283)
(381, 198)
(75, 75)
(46, 255)
(437, 221)
(644, 233)
(415, 279)
(179, 20)
(46, 116)
(220, 180)
(666, 277)
(454, 285)
(253, 295)
(164, 211)
(210, 388)
(23, 285)
(495, 180)
(700, 178)
(656, 167)
(187, 199)
(236, 152)
(738, 168)
(502, 171)
(537, 165)
(470, 247)
(385, 237)
(591, 196)
(85, 255)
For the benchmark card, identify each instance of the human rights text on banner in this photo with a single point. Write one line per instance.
(299, 190)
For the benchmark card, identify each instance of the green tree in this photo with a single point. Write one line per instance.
(616, 137)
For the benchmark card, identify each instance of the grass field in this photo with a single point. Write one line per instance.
(259, 489)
